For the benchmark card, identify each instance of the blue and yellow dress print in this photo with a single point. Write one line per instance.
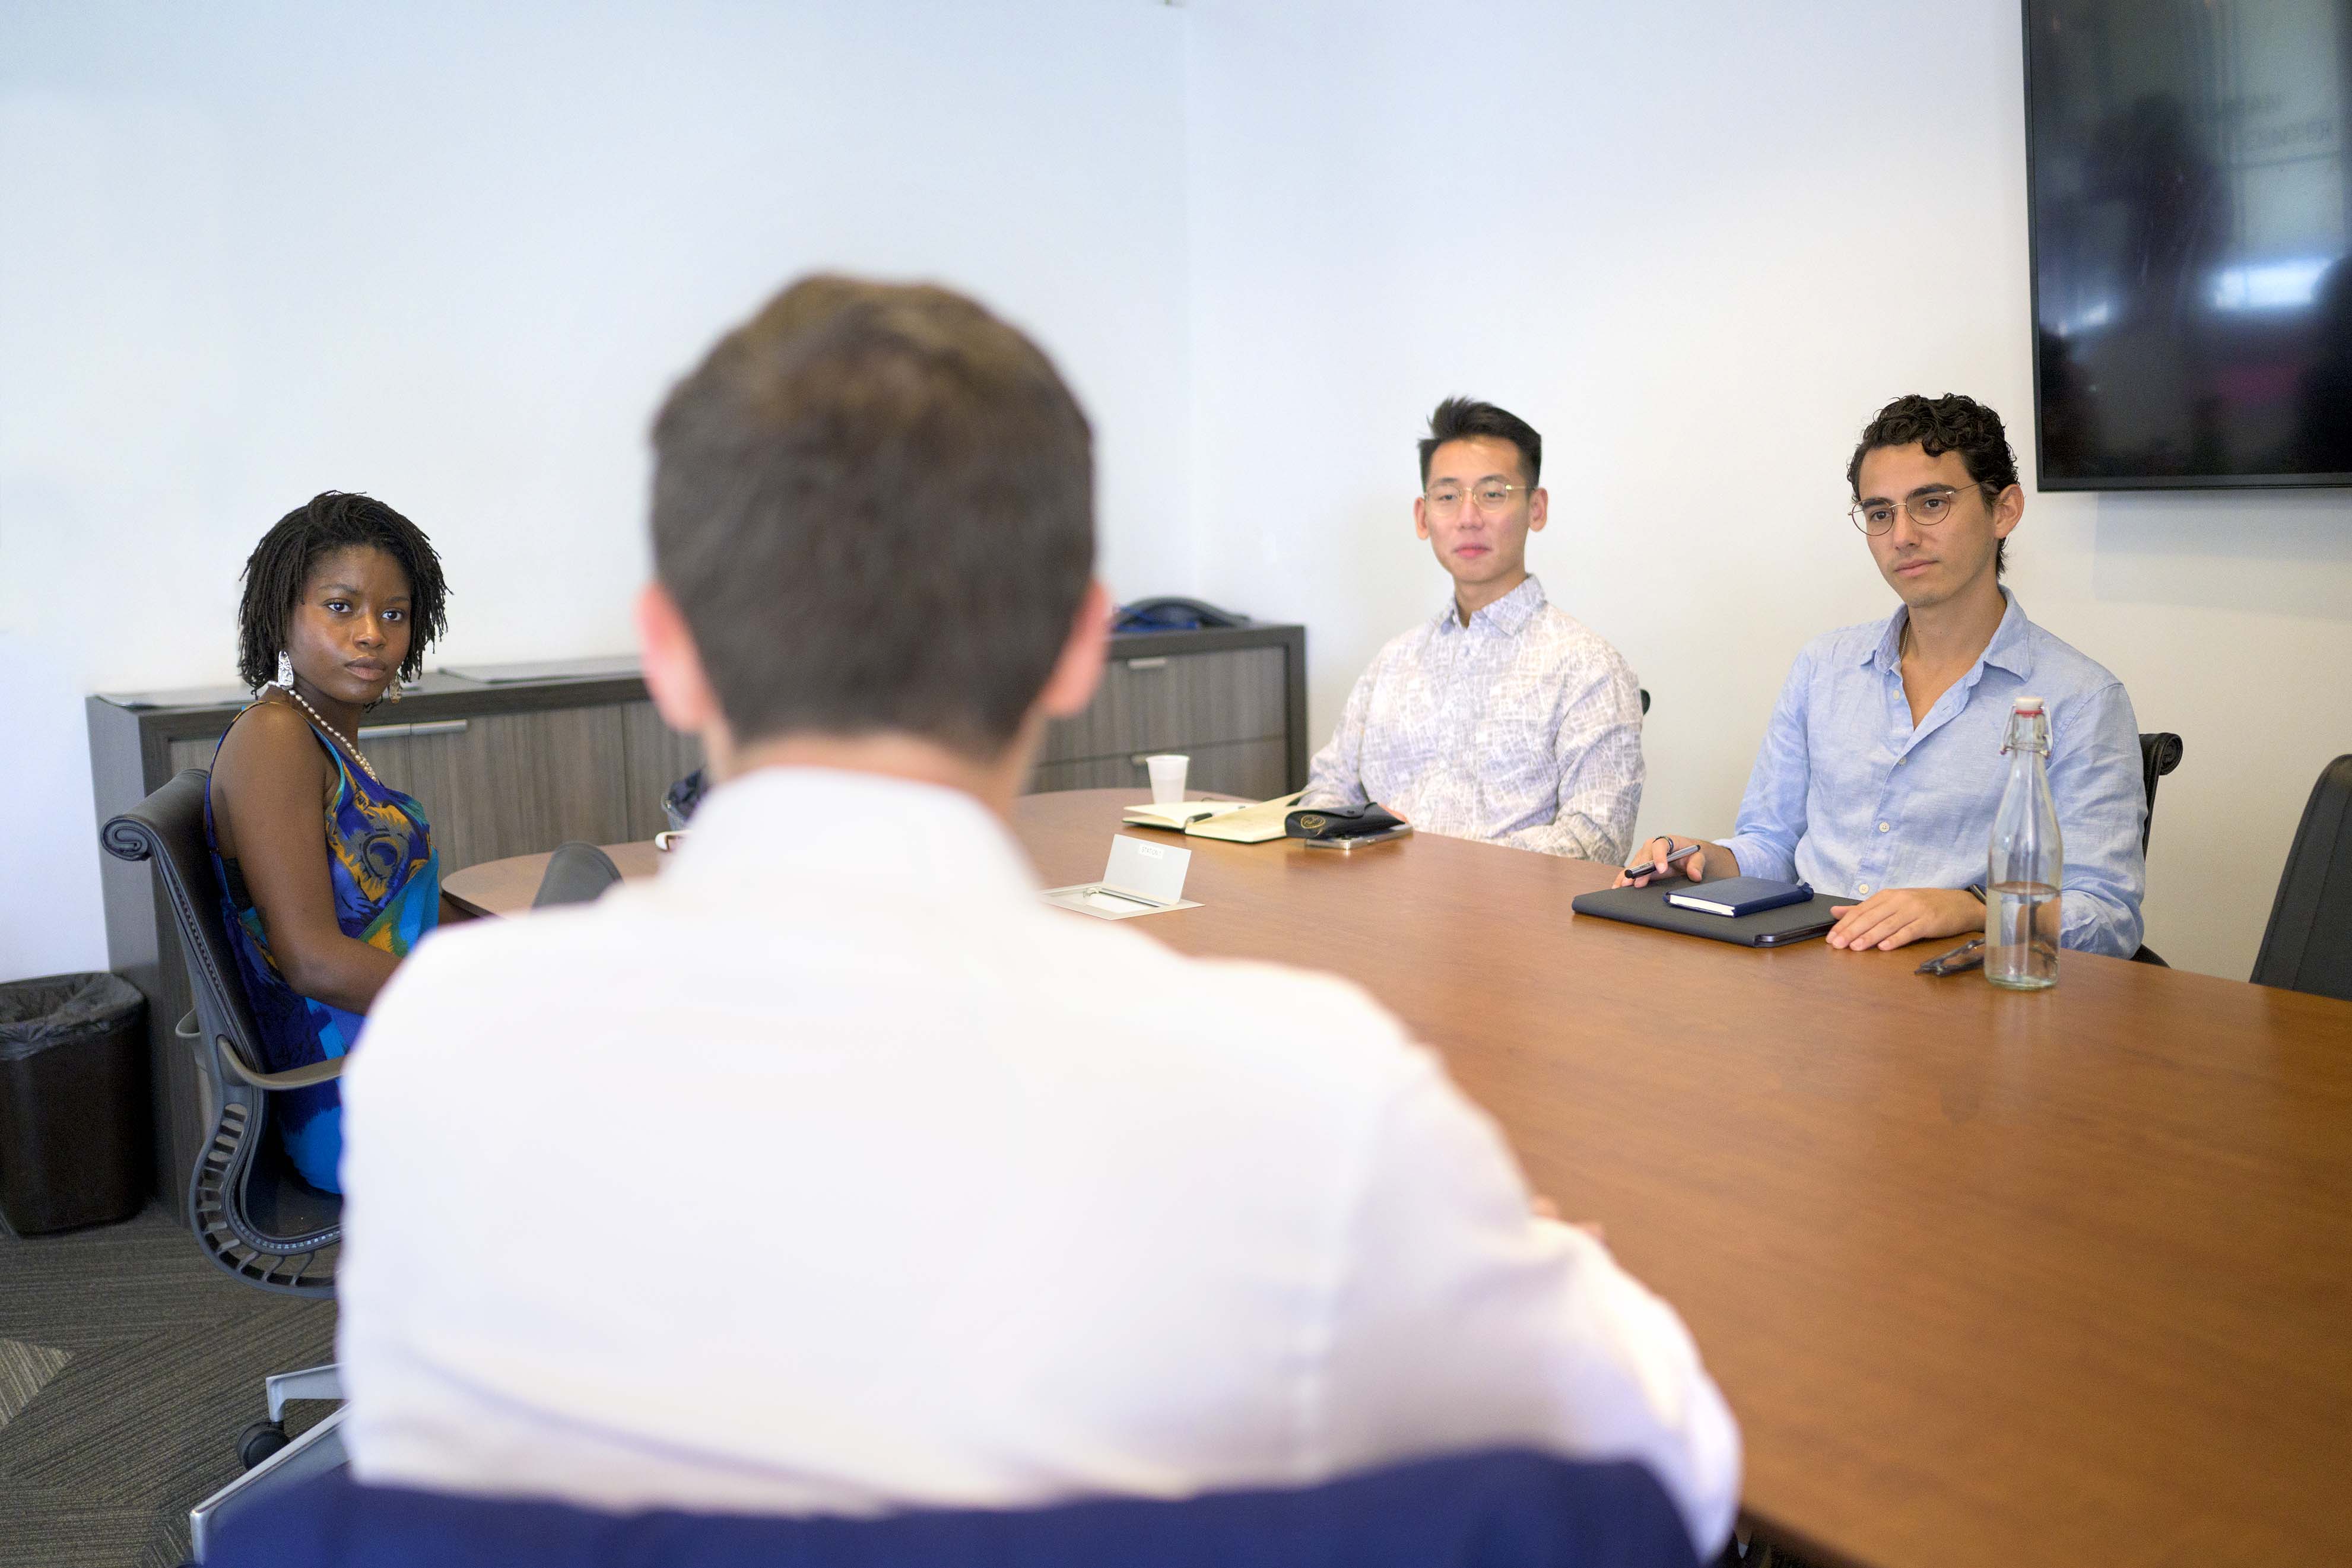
(387, 883)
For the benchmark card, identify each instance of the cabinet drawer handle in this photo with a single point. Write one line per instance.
(402, 731)
(1159, 663)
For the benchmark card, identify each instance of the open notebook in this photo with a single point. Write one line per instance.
(1238, 821)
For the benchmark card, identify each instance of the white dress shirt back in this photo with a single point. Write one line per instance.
(832, 1171)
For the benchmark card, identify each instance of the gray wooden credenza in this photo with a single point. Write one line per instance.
(512, 760)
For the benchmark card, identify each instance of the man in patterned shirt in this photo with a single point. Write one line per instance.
(1502, 717)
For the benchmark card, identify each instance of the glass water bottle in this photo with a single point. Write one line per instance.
(2026, 861)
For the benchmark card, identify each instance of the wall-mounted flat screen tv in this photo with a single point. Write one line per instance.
(2190, 179)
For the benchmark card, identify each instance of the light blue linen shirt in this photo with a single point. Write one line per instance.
(1849, 796)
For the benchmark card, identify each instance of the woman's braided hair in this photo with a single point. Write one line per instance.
(281, 564)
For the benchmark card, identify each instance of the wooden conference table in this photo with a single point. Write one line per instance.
(1988, 1278)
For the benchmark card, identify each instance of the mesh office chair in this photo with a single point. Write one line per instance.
(254, 1218)
(2307, 946)
(2160, 753)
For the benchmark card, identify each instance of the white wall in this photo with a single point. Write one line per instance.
(453, 256)
(1697, 245)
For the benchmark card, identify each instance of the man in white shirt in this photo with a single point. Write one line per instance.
(832, 1170)
(1502, 717)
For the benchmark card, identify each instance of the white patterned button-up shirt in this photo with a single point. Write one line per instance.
(1522, 728)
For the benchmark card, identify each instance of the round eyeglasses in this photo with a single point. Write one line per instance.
(1928, 508)
(1488, 496)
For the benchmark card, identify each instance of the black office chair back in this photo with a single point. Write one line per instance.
(2308, 945)
(253, 1215)
(2158, 755)
(576, 874)
(1645, 699)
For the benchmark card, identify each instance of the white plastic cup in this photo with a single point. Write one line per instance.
(1167, 777)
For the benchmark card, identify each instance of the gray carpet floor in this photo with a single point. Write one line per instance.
(128, 1366)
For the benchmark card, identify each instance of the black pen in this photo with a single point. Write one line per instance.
(1674, 859)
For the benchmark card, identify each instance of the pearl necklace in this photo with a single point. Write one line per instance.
(348, 745)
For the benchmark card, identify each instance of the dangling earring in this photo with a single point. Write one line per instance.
(285, 671)
(393, 695)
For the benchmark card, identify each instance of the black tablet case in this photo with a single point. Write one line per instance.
(1648, 907)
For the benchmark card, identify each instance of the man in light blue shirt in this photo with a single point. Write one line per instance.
(1882, 766)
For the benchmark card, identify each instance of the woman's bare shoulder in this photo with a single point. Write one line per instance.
(268, 738)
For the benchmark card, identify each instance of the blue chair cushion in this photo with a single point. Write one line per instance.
(1499, 1510)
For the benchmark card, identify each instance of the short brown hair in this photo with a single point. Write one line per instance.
(874, 505)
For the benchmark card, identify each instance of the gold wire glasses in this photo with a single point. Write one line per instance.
(1487, 495)
(1927, 507)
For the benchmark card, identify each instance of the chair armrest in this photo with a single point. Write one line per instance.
(293, 1078)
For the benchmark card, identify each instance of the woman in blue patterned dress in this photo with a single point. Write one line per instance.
(328, 875)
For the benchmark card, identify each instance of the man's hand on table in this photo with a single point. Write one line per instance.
(1707, 863)
(1895, 917)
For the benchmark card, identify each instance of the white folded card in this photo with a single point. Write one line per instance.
(1138, 879)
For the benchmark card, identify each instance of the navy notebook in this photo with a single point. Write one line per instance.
(1737, 896)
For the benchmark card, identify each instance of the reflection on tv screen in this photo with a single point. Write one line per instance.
(2192, 275)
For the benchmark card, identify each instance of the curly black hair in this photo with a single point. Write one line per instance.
(1951, 423)
(281, 564)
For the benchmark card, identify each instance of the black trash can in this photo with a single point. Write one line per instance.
(74, 1122)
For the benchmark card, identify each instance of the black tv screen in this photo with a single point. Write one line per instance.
(2190, 198)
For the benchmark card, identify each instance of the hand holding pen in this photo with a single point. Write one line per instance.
(1663, 855)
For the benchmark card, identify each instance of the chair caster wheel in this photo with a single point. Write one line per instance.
(258, 1441)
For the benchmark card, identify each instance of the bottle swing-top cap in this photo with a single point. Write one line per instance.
(2035, 737)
